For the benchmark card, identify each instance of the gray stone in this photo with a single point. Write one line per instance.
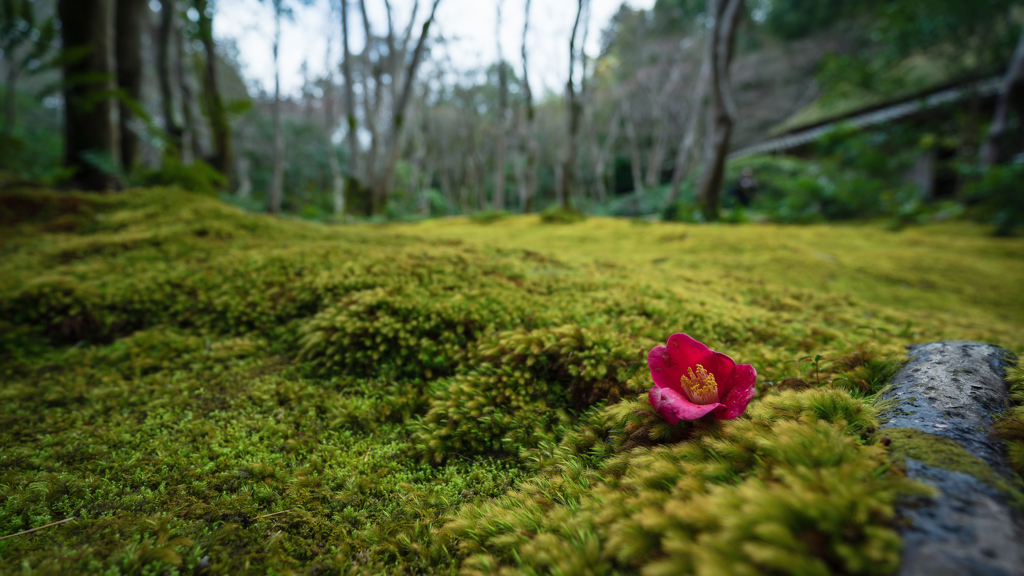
(953, 389)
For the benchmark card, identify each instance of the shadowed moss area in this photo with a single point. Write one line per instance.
(206, 391)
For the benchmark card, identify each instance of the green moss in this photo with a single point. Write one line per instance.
(1009, 426)
(791, 483)
(447, 396)
(1015, 378)
(521, 385)
(946, 454)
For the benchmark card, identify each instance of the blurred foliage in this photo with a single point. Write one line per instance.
(957, 39)
(857, 175)
(307, 174)
(34, 149)
(556, 214)
(794, 19)
(202, 389)
(197, 177)
(996, 196)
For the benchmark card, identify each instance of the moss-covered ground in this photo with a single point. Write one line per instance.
(197, 390)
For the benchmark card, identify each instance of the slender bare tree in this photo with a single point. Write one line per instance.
(277, 180)
(635, 160)
(499, 145)
(352, 121)
(656, 158)
(330, 122)
(194, 150)
(686, 146)
(529, 142)
(374, 71)
(166, 33)
(393, 142)
(219, 127)
(574, 113)
(727, 13)
(601, 152)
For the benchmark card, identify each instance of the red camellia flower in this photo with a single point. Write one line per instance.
(691, 380)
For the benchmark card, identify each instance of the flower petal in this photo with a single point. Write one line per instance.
(674, 407)
(664, 370)
(722, 366)
(687, 352)
(741, 391)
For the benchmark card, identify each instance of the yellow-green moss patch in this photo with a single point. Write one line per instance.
(946, 454)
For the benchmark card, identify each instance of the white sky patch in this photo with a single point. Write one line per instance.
(469, 26)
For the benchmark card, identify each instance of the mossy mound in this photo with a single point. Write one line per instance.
(206, 391)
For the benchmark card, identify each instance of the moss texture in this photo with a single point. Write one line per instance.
(946, 454)
(1010, 426)
(211, 392)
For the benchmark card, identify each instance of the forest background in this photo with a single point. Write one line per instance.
(396, 128)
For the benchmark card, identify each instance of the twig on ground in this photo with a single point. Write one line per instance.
(274, 514)
(39, 528)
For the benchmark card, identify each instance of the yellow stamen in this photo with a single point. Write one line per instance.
(701, 387)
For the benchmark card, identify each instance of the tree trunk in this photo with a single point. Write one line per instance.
(371, 108)
(658, 150)
(657, 157)
(601, 154)
(426, 180)
(724, 35)
(351, 137)
(635, 161)
(499, 145)
(195, 148)
(685, 151)
(90, 126)
(163, 65)
(445, 178)
(560, 184)
(574, 112)
(214, 102)
(277, 180)
(337, 180)
(244, 191)
(994, 150)
(530, 143)
(129, 74)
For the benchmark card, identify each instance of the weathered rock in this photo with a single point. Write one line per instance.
(951, 390)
